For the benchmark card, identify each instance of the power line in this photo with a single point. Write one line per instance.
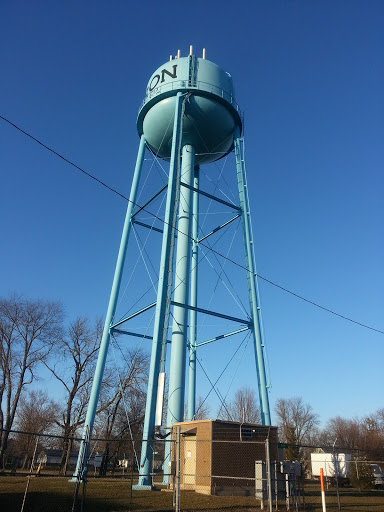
(63, 158)
(207, 247)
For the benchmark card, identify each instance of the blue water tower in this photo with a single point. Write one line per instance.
(189, 117)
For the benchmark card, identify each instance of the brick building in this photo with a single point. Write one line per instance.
(218, 457)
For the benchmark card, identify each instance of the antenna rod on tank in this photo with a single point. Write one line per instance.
(203, 53)
(190, 51)
(178, 54)
(170, 57)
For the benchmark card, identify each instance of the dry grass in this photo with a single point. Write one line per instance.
(105, 495)
(114, 495)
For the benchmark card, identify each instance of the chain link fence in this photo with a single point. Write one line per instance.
(213, 466)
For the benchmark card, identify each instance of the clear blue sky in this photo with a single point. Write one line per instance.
(309, 77)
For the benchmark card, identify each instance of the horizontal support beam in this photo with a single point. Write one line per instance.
(129, 333)
(210, 196)
(134, 334)
(213, 313)
(139, 223)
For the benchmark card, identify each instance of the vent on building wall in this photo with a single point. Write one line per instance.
(246, 433)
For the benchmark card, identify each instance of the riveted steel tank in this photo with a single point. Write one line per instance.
(210, 110)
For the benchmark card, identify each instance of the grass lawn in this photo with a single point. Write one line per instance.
(351, 500)
(55, 494)
(105, 495)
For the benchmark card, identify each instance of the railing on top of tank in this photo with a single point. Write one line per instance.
(183, 84)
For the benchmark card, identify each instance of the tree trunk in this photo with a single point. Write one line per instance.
(65, 455)
(25, 461)
(69, 449)
(4, 444)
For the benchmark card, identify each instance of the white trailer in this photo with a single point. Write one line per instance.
(334, 464)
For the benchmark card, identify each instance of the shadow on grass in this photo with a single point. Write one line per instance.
(36, 502)
(52, 502)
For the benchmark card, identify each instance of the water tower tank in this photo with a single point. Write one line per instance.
(211, 112)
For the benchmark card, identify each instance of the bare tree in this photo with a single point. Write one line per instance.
(75, 357)
(122, 404)
(36, 413)
(295, 419)
(366, 434)
(348, 433)
(244, 407)
(28, 331)
(373, 431)
(202, 409)
(297, 423)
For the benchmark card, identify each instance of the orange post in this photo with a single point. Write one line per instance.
(322, 489)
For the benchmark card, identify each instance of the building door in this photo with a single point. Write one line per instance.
(189, 465)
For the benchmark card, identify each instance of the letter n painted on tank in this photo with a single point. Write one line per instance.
(166, 72)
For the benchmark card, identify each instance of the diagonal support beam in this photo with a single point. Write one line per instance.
(219, 227)
(222, 336)
(137, 313)
(143, 206)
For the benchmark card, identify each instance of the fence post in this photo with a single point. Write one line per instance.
(269, 476)
(131, 489)
(276, 485)
(302, 478)
(287, 502)
(336, 464)
(177, 476)
(357, 473)
(30, 473)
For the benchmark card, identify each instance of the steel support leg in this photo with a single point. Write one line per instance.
(193, 301)
(252, 287)
(97, 379)
(176, 393)
(161, 304)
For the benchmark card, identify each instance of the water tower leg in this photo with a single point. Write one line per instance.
(176, 389)
(97, 379)
(176, 393)
(193, 300)
(145, 480)
(252, 287)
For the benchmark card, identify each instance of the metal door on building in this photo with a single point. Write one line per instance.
(189, 464)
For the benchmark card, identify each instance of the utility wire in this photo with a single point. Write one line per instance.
(63, 157)
(207, 247)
